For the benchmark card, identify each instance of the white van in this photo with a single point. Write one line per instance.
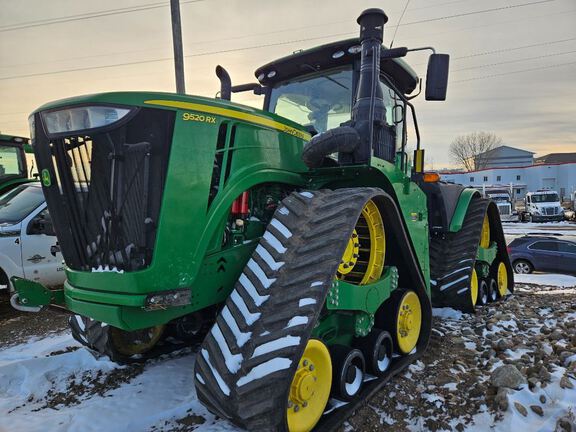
(28, 244)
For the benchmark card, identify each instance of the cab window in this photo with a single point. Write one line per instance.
(10, 161)
(319, 101)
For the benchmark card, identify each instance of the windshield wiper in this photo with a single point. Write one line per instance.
(326, 77)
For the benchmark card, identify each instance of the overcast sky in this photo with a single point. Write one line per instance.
(526, 95)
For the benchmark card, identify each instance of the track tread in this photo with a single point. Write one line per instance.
(322, 218)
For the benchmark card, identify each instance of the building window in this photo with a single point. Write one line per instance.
(498, 178)
(471, 179)
(518, 191)
(518, 177)
(485, 178)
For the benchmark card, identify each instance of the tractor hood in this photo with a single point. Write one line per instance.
(75, 114)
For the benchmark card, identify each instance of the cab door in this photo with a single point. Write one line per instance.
(41, 258)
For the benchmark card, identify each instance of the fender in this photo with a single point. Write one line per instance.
(461, 209)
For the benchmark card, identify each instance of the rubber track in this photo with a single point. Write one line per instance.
(245, 365)
(453, 256)
(95, 336)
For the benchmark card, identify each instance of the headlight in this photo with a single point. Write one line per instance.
(32, 124)
(81, 118)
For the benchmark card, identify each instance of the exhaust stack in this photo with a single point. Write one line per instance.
(368, 112)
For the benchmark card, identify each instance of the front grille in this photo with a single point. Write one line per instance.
(550, 211)
(504, 209)
(106, 191)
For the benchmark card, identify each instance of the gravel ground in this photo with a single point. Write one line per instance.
(451, 387)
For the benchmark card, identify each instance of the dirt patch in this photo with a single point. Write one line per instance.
(16, 327)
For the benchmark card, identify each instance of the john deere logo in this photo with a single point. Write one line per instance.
(46, 180)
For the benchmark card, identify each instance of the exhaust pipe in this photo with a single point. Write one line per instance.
(368, 112)
(366, 132)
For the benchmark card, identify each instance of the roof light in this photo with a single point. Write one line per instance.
(338, 54)
(355, 49)
(82, 118)
(271, 74)
(261, 77)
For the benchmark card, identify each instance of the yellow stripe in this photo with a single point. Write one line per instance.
(251, 118)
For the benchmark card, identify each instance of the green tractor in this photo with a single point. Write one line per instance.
(297, 244)
(13, 166)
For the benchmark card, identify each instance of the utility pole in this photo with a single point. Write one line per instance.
(177, 41)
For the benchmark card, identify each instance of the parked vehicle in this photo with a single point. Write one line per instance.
(502, 199)
(13, 167)
(543, 253)
(28, 244)
(542, 206)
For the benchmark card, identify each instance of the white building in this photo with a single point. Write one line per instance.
(560, 177)
(503, 156)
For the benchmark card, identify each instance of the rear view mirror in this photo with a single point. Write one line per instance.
(437, 77)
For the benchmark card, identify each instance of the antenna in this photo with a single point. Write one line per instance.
(399, 21)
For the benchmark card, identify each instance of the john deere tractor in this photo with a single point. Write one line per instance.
(297, 243)
(13, 166)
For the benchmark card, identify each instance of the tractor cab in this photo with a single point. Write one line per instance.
(318, 88)
(13, 166)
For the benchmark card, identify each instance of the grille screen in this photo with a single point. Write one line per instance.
(106, 191)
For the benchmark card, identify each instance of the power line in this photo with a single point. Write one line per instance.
(514, 61)
(515, 72)
(259, 46)
(91, 15)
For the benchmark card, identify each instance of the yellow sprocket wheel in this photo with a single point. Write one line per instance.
(136, 342)
(408, 322)
(485, 234)
(363, 259)
(502, 279)
(474, 287)
(310, 388)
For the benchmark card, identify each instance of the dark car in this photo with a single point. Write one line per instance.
(542, 253)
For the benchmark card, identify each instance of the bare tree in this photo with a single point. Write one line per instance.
(470, 150)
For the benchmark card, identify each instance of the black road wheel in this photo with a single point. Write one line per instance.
(348, 368)
(377, 348)
(483, 292)
(492, 289)
(523, 267)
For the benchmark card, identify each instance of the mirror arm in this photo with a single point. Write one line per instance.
(423, 49)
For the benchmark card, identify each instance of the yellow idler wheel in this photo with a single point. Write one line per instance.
(310, 388)
(408, 322)
(363, 259)
(474, 287)
(136, 342)
(502, 279)
(485, 234)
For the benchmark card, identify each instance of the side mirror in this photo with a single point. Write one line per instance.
(437, 77)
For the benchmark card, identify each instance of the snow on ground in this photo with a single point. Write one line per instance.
(51, 385)
(548, 279)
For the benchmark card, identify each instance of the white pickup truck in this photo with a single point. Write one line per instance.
(542, 206)
(28, 244)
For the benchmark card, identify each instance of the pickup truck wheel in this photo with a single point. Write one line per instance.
(523, 267)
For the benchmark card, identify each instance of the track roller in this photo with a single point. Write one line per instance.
(483, 292)
(492, 290)
(377, 348)
(401, 315)
(348, 371)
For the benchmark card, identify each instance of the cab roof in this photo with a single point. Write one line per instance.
(329, 56)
